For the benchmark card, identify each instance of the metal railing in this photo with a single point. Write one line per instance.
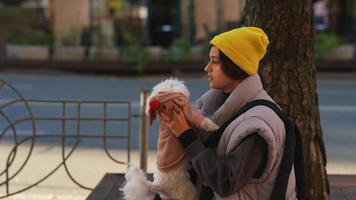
(17, 111)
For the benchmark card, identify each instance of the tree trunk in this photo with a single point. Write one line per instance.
(289, 75)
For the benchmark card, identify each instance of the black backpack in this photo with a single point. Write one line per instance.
(293, 151)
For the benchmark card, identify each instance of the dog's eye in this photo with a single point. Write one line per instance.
(164, 107)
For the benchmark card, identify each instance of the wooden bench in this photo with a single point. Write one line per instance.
(343, 187)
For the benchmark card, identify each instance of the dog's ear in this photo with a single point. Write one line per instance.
(151, 115)
(152, 105)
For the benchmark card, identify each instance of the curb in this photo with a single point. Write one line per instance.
(129, 68)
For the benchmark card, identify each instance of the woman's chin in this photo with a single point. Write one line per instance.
(211, 85)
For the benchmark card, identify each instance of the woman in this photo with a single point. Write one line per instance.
(246, 161)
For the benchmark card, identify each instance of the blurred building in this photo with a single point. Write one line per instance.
(78, 24)
(163, 20)
(216, 15)
(69, 16)
(343, 17)
(159, 22)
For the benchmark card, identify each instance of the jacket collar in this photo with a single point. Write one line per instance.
(243, 93)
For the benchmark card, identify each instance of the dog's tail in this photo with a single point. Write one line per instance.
(137, 186)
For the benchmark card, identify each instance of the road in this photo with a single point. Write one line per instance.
(337, 103)
(336, 92)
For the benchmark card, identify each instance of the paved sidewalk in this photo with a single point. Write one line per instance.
(87, 165)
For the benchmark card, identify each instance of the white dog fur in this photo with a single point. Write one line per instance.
(175, 183)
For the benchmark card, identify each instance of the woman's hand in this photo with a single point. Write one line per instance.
(191, 114)
(168, 96)
(178, 124)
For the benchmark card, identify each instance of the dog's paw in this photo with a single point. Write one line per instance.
(208, 125)
(134, 187)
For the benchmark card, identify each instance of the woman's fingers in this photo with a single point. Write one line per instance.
(164, 117)
(179, 124)
(164, 97)
(177, 98)
(177, 108)
(179, 117)
(181, 101)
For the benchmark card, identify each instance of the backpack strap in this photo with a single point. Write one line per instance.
(293, 154)
(293, 150)
(213, 141)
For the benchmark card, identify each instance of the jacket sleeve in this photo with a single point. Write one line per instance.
(209, 102)
(228, 174)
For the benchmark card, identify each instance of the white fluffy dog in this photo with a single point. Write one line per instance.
(171, 180)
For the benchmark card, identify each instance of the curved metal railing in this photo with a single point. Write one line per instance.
(15, 111)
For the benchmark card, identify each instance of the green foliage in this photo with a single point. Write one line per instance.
(25, 26)
(70, 38)
(324, 42)
(28, 36)
(178, 50)
(135, 52)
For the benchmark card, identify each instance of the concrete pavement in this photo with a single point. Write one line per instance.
(86, 165)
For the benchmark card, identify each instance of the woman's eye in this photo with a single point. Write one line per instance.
(215, 60)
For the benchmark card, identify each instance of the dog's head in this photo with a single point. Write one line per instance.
(154, 105)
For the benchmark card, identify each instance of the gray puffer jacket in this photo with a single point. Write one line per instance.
(259, 119)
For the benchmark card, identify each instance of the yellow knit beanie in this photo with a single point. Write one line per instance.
(245, 46)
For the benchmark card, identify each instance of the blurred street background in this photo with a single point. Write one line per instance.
(143, 36)
(111, 50)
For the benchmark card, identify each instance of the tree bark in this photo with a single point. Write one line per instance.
(289, 75)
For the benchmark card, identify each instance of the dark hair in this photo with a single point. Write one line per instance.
(231, 69)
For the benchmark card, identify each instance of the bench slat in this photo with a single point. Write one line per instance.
(108, 187)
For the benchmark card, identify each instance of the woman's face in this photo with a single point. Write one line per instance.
(217, 77)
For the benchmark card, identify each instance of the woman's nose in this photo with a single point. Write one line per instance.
(206, 68)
